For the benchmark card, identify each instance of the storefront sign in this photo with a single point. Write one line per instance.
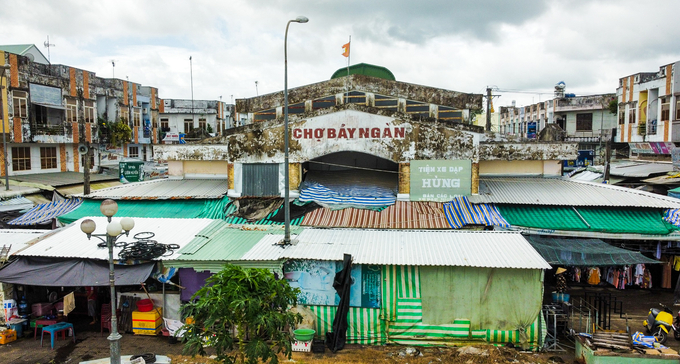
(131, 172)
(440, 180)
(585, 158)
(314, 278)
(651, 148)
(174, 138)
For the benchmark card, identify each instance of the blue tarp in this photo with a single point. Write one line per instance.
(351, 196)
(460, 212)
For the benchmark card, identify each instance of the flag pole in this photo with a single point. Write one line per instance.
(349, 51)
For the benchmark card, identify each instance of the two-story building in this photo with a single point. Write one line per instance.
(649, 111)
(179, 116)
(50, 110)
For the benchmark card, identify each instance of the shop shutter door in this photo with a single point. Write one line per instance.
(260, 180)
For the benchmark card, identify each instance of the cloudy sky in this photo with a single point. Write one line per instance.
(520, 47)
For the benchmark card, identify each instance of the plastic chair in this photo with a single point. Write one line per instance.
(105, 319)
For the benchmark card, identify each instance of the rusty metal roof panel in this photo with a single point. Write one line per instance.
(164, 189)
(562, 192)
(401, 215)
(490, 249)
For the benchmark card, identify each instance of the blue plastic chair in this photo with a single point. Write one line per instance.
(55, 330)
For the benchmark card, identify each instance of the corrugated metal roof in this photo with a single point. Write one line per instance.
(489, 249)
(222, 241)
(71, 242)
(78, 189)
(561, 192)
(639, 169)
(186, 209)
(57, 179)
(164, 189)
(16, 203)
(401, 215)
(19, 238)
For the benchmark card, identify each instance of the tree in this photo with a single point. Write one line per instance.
(243, 314)
(614, 106)
(120, 132)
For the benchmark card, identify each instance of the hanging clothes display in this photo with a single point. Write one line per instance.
(594, 276)
(667, 271)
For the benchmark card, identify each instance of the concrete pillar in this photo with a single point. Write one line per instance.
(404, 178)
(294, 175)
(230, 176)
(475, 178)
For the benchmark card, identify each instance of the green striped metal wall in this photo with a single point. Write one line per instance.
(399, 320)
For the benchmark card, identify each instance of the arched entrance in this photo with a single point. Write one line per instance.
(351, 171)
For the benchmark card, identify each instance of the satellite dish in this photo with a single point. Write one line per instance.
(82, 149)
(30, 57)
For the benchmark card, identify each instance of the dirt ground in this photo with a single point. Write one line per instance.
(90, 345)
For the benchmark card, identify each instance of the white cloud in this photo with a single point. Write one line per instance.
(458, 45)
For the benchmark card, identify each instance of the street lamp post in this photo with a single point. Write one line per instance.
(114, 230)
(2, 114)
(286, 206)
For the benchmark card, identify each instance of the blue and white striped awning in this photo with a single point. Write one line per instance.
(460, 212)
(672, 216)
(354, 196)
(45, 212)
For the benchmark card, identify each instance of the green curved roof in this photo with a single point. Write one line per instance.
(366, 70)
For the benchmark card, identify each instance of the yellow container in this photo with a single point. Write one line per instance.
(147, 323)
(7, 336)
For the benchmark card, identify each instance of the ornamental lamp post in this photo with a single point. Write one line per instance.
(286, 206)
(114, 230)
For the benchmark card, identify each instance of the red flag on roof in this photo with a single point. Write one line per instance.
(346, 50)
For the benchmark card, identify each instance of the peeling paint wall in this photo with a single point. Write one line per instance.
(190, 152)
(528, 151)
(264, 142)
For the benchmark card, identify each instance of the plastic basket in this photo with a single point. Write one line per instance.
(304, 334)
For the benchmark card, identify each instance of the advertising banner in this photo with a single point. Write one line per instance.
(440, 180)
(314, 278)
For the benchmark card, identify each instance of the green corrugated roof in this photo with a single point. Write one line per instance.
(182, 209)
(15, 48)
(366, 70)
(609, 220)
(221, 241)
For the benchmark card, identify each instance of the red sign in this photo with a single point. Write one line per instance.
(349, 133)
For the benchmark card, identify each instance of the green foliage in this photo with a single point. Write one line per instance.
(210, 129)
(614, 106)
(250, 302)
(120, 132)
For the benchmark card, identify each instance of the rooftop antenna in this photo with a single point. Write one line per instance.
(232, 99)
(48, 45)
(256, 93)
(113, 65)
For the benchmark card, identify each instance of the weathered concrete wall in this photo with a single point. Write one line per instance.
(190, 152)
(528, 151)
(397, 140)
(363, 83)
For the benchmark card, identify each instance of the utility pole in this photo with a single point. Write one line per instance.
(488, 109)
(608, 156)
(83, 142)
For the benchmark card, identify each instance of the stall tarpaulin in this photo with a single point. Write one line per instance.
(39, 271)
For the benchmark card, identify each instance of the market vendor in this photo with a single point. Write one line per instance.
(561, 280)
